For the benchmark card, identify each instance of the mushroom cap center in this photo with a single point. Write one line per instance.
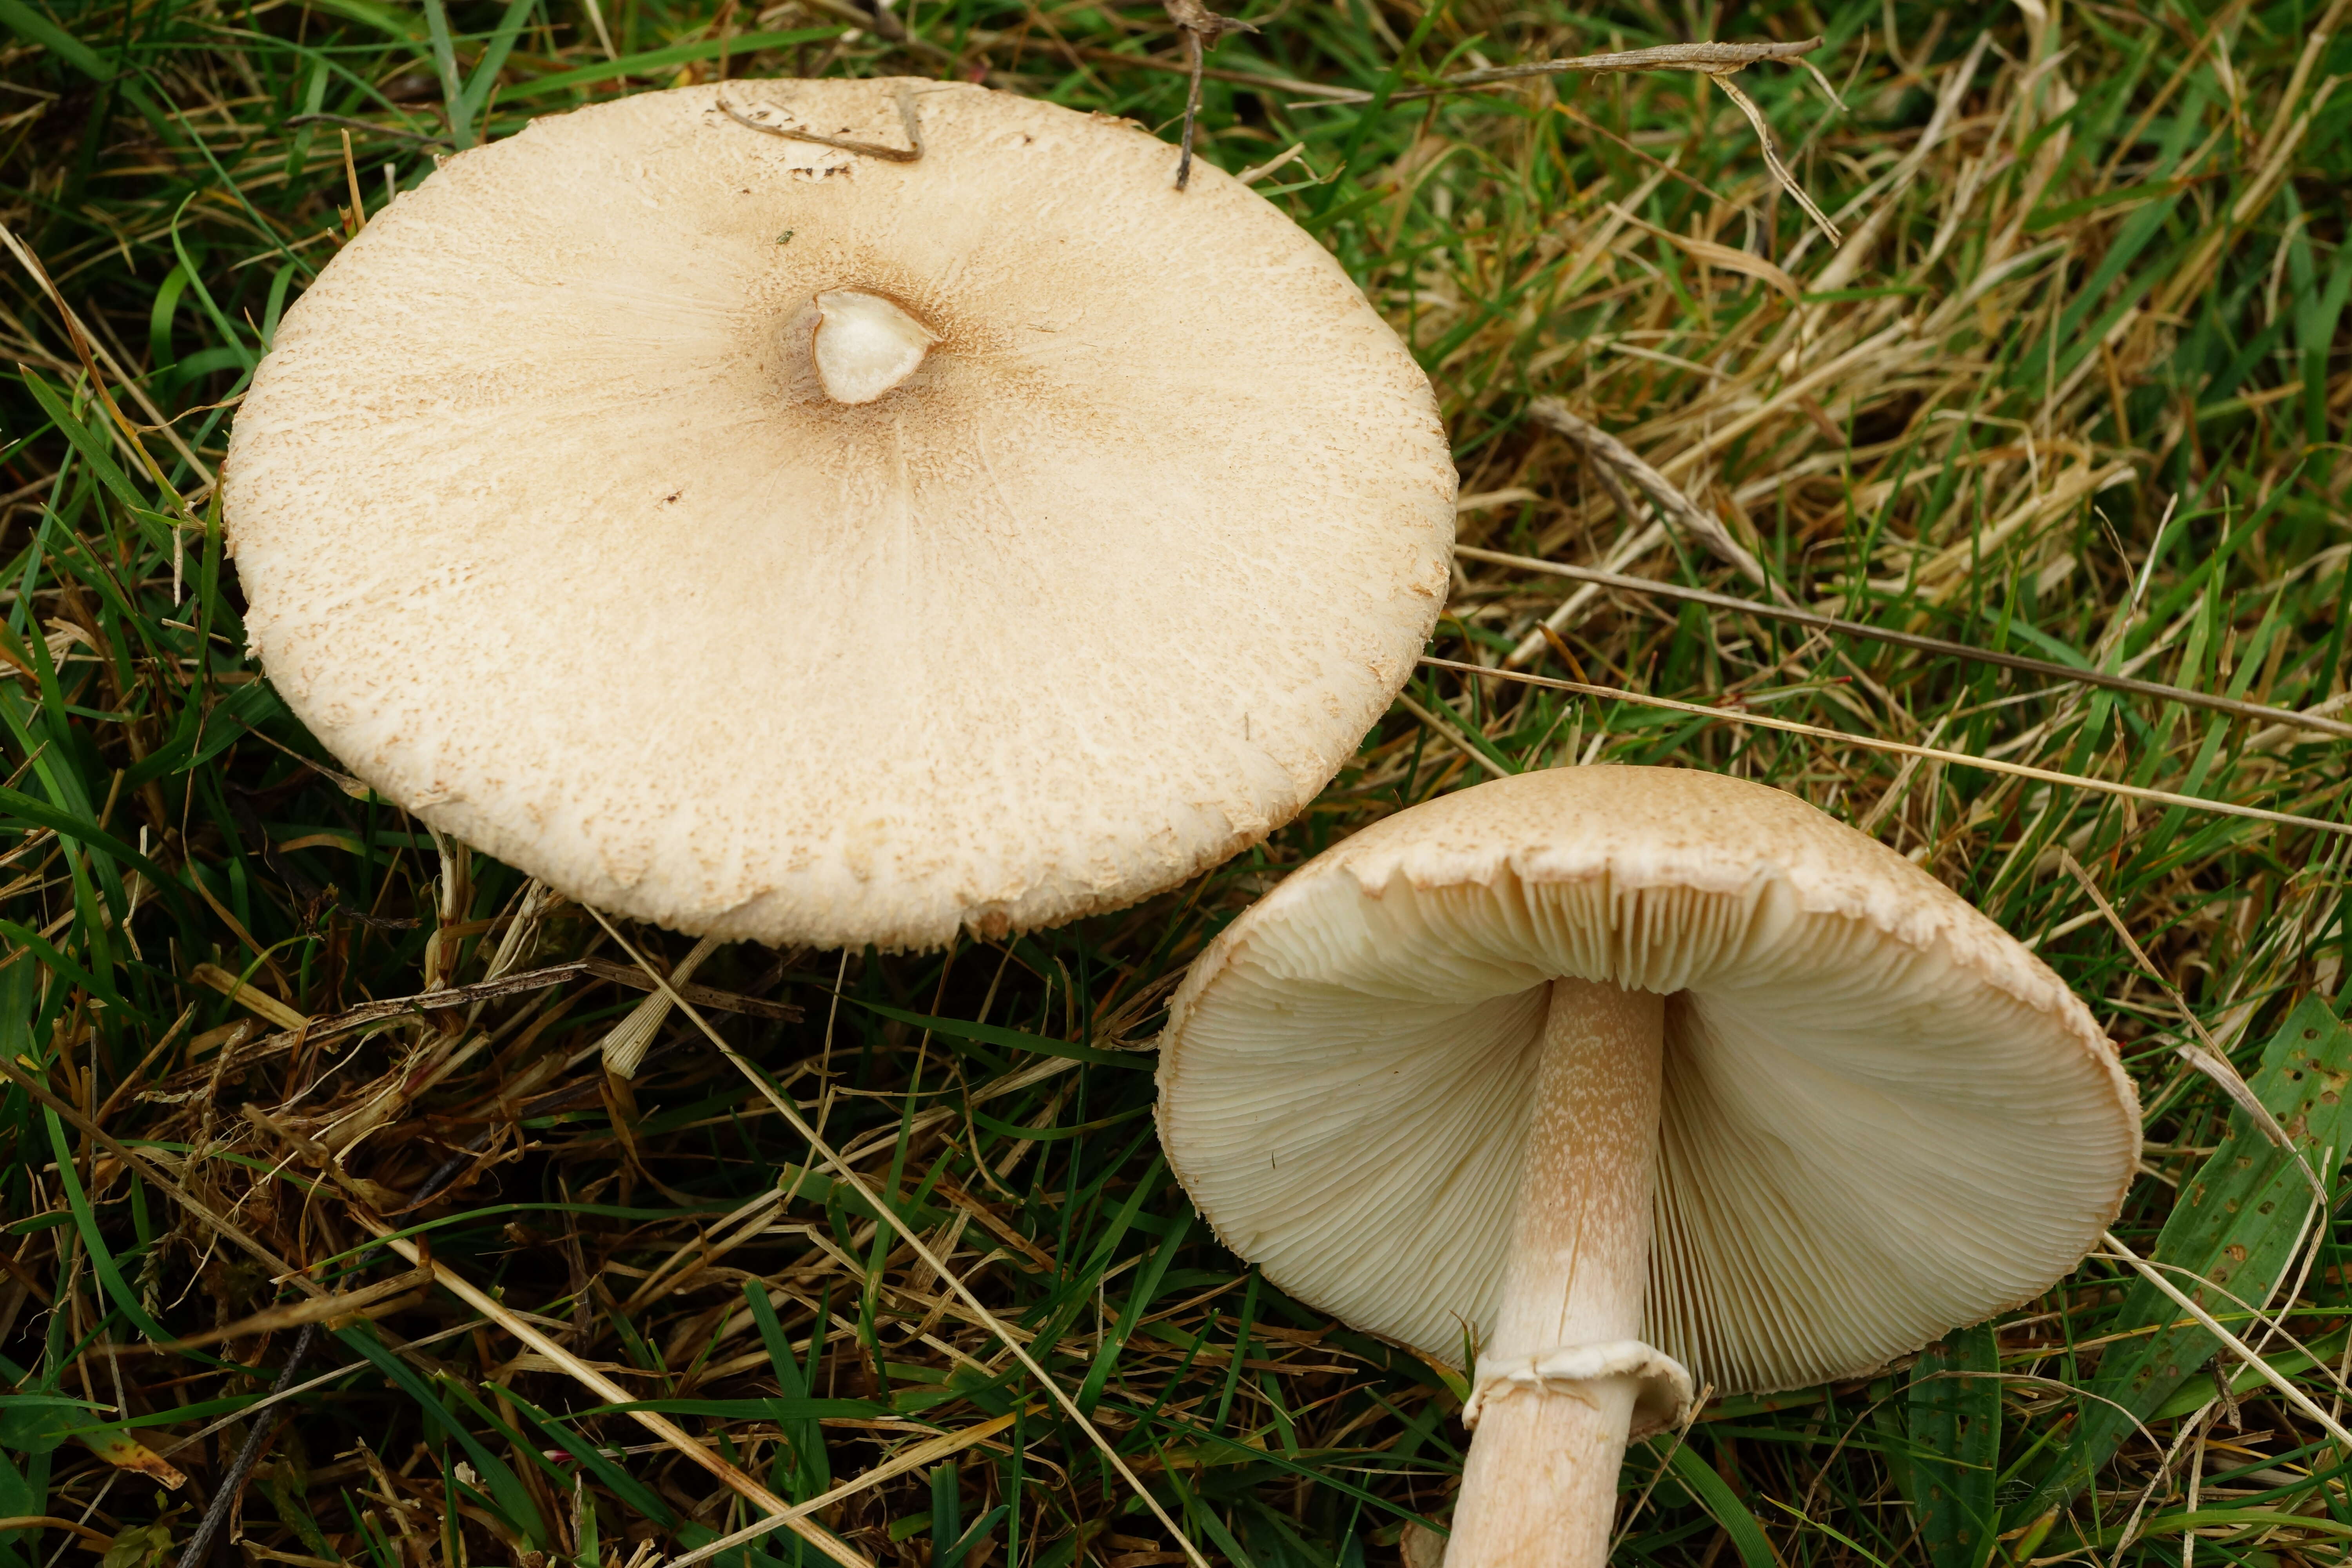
(865, 344)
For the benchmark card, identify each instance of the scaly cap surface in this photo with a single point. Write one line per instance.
(551, 532)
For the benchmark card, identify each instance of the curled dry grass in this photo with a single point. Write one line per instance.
(2075, 386)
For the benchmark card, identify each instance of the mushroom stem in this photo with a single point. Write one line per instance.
(1540, 1487)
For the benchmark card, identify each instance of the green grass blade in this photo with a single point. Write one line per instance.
(452, 88)
(1015, 1039)
(514, 1502)
(1139, 1300)
(676, 55)
(102, 1261)
(1715, 1494)
(1956, 1430)
(92, 447)
(29, 25)
(2234, 1223)
(485, 77)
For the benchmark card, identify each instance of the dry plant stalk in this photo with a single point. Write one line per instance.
(1681, 514)
(2207, 1057)
(1201, 27)
(1717, 62)
(604, 1388)
(914, 1459)
(1707, 59)
(2279, 718)
(1899, 748)
(2154, 1275)
(624, 1048)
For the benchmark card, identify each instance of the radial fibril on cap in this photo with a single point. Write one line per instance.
(777, 540)
(1873, 1114)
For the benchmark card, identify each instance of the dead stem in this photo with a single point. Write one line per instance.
(1717, 62)
(1201, 27)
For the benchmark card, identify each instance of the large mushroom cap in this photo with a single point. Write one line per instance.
(1881, 1115)
(774, 539)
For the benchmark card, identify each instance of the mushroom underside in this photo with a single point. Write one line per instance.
(1861, 1143)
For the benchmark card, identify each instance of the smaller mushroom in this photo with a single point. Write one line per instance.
(1636, 1077)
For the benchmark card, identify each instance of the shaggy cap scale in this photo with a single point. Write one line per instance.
(1125, 518)
(1882, 1115)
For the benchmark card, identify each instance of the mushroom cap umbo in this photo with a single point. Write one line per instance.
(1881, 1116)
(1128, 519)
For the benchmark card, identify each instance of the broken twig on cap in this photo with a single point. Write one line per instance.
(1201, 27)
(912, 151)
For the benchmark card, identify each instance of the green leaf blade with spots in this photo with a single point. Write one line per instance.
(1956, 1428)
(2234, 1227)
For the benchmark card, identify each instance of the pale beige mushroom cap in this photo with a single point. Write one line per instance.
(1128, 517)
(1882, 1115)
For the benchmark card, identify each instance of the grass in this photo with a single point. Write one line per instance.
(2077, 386)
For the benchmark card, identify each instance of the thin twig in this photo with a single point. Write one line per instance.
(345, 120)
(911, 153)
(2187, 698)
(1677, 509)
(1901, 748)
(1201, 27)
(232, 1485)
(1707, 59)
